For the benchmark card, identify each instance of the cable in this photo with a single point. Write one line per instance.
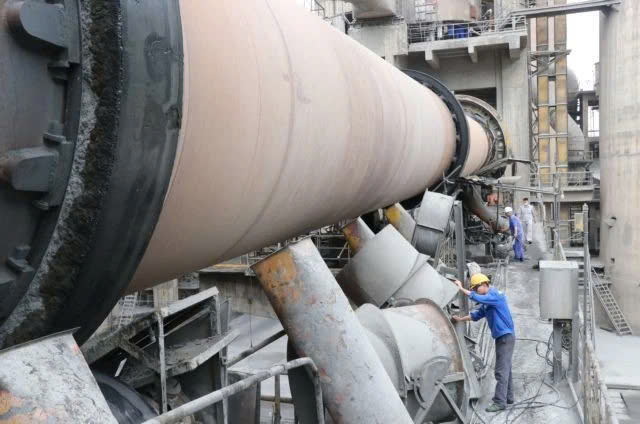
(474, 403)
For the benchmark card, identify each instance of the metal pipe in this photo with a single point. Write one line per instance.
(357, 233)
(245, 354)
(461, 264)
(388, 270)
(276, 404)
(268, 398)
(275, 129)
(473, 201)
(199, 404)
(321, 325)
(398, 216)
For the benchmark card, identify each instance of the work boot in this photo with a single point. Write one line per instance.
(494, 407)
(510, 402)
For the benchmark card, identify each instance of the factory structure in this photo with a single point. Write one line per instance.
(257, 211)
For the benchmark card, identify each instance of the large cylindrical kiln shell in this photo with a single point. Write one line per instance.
(288, 125)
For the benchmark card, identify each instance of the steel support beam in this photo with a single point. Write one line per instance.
(566, 9)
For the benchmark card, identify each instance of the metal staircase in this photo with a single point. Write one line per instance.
(605, 295)
(608, 301)
(127, 310)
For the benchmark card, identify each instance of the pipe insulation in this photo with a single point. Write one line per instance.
(171, 135)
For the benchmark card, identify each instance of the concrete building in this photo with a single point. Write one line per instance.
(619, 151)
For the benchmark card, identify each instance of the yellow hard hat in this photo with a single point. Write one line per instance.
(478, 279)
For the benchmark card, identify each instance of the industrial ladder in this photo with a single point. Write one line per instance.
(611, 306)
(127, 311)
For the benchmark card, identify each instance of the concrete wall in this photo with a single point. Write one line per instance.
(459, 73)
(388, 41)
(620, 154)
(246, 293)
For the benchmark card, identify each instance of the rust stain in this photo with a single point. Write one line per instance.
(8, 401)
(38, 415)
(353, 237)
(278, 275)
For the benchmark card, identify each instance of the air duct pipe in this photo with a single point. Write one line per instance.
(421, 354)
(162, 137)
(387, 270)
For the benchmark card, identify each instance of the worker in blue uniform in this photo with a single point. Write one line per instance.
(515, 226)
(494, 307)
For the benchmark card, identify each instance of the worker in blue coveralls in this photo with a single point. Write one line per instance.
(494, 307)
(515, 226)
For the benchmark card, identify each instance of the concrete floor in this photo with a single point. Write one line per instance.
(619, 366)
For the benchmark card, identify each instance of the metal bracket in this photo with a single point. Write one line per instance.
(43, 24)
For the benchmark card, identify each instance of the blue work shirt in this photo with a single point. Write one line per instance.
(515, 224)
(494, 307)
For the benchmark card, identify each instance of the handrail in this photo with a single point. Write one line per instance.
(205, 401)
(432, 31)
(596, 404)
(566, 179)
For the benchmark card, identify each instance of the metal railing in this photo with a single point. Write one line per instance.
(585, 366)
(565, 179)
(584, 155)
(199, 404)
(432, 31)
(330, 242)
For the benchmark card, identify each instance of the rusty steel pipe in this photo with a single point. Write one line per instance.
(357, 233)
(321, 325)
(402, 221)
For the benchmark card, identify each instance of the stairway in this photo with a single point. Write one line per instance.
(603, 291)
(608, 301)
(127, 310)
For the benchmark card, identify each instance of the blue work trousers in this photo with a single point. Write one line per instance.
(518, 249)
(504, 379)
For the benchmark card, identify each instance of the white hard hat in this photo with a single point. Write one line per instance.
(508, 209)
